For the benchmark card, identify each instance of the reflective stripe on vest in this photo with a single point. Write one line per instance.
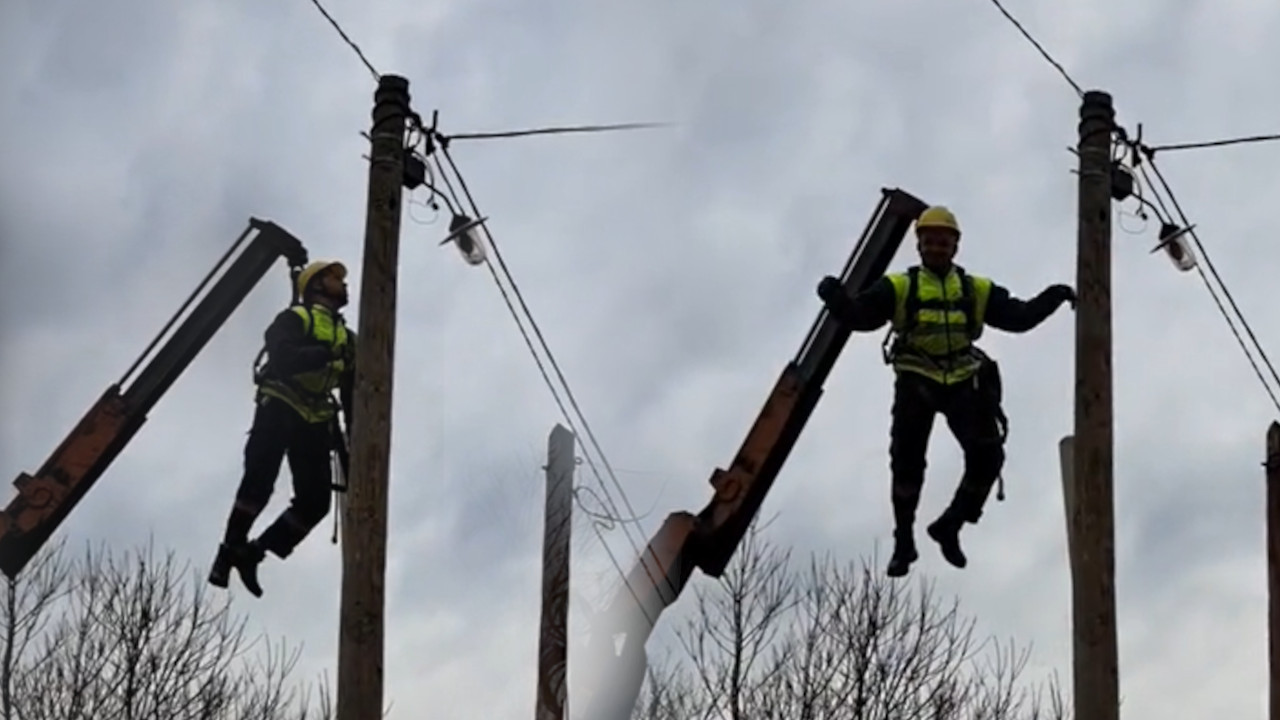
(310, 392)
(938, 343)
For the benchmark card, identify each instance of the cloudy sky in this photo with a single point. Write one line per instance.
(672, 272)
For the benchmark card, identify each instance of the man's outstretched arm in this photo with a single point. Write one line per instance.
(1008, 313)
(864, 312)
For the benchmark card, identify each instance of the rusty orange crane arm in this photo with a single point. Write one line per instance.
(708, 540)
(45, 499)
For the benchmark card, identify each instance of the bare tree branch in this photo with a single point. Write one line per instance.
(137, 636)
(837, 642)
(25, 616)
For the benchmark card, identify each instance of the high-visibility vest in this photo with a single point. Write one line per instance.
(311, 393)
(935, 322)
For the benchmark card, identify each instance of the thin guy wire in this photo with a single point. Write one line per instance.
(1044, 53)
(343, 34)
(555, 394)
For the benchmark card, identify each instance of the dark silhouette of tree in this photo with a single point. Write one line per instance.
(835, 642)
(133, 636)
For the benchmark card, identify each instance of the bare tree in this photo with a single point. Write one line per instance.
(737, 623)
(668, 694)
(138, 637)
(26, 613)
(837, 642)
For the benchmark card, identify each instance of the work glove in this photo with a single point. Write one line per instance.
(830, 290)
(833, 295)
(1061, 294)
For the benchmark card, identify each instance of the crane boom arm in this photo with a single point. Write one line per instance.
(45, 499)
(709, 539)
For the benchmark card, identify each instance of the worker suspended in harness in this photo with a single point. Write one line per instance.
(309, 352)
(937, 311)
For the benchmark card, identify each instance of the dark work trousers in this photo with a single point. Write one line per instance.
(279, 431)
(972, 418)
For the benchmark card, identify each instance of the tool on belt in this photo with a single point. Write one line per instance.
(340, 459)
(990, 389)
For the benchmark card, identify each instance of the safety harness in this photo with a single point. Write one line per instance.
(987, 379)
(895, 340)
(260, 362)
(339, 452)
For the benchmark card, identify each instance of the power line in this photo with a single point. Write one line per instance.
(602, 519)
(596, 526)
(1150, 153)
(555, 394)
(553, 131)
(1213, 143)
(533, 324)
(343, 34)
(1035, 43)
(1226, 291)
(537, 331)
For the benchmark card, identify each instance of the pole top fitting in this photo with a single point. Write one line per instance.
(1097, 97)
(391, 99)
(396, 83)
(1096, 105)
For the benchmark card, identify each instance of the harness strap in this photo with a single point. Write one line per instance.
(967, 303)
(260, 365)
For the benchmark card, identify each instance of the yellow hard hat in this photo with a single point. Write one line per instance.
(315, 268)
(938, 217)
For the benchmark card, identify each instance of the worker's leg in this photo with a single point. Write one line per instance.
(263, 452)
(309, 463)
(914, 406)
(973, 420)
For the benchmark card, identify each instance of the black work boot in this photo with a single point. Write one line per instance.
(946, 532)
(220, 573)
(904, 553)
(245, 558)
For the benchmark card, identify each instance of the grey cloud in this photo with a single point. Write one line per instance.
(673, 273)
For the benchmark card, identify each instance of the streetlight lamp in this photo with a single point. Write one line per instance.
(463, 231)
(1173, 240)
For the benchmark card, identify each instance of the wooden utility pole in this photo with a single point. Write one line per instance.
(1273, 565)
(1096, 671)
(553, 638)
(364, 552)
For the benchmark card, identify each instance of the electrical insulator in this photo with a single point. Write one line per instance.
(1173, 240)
